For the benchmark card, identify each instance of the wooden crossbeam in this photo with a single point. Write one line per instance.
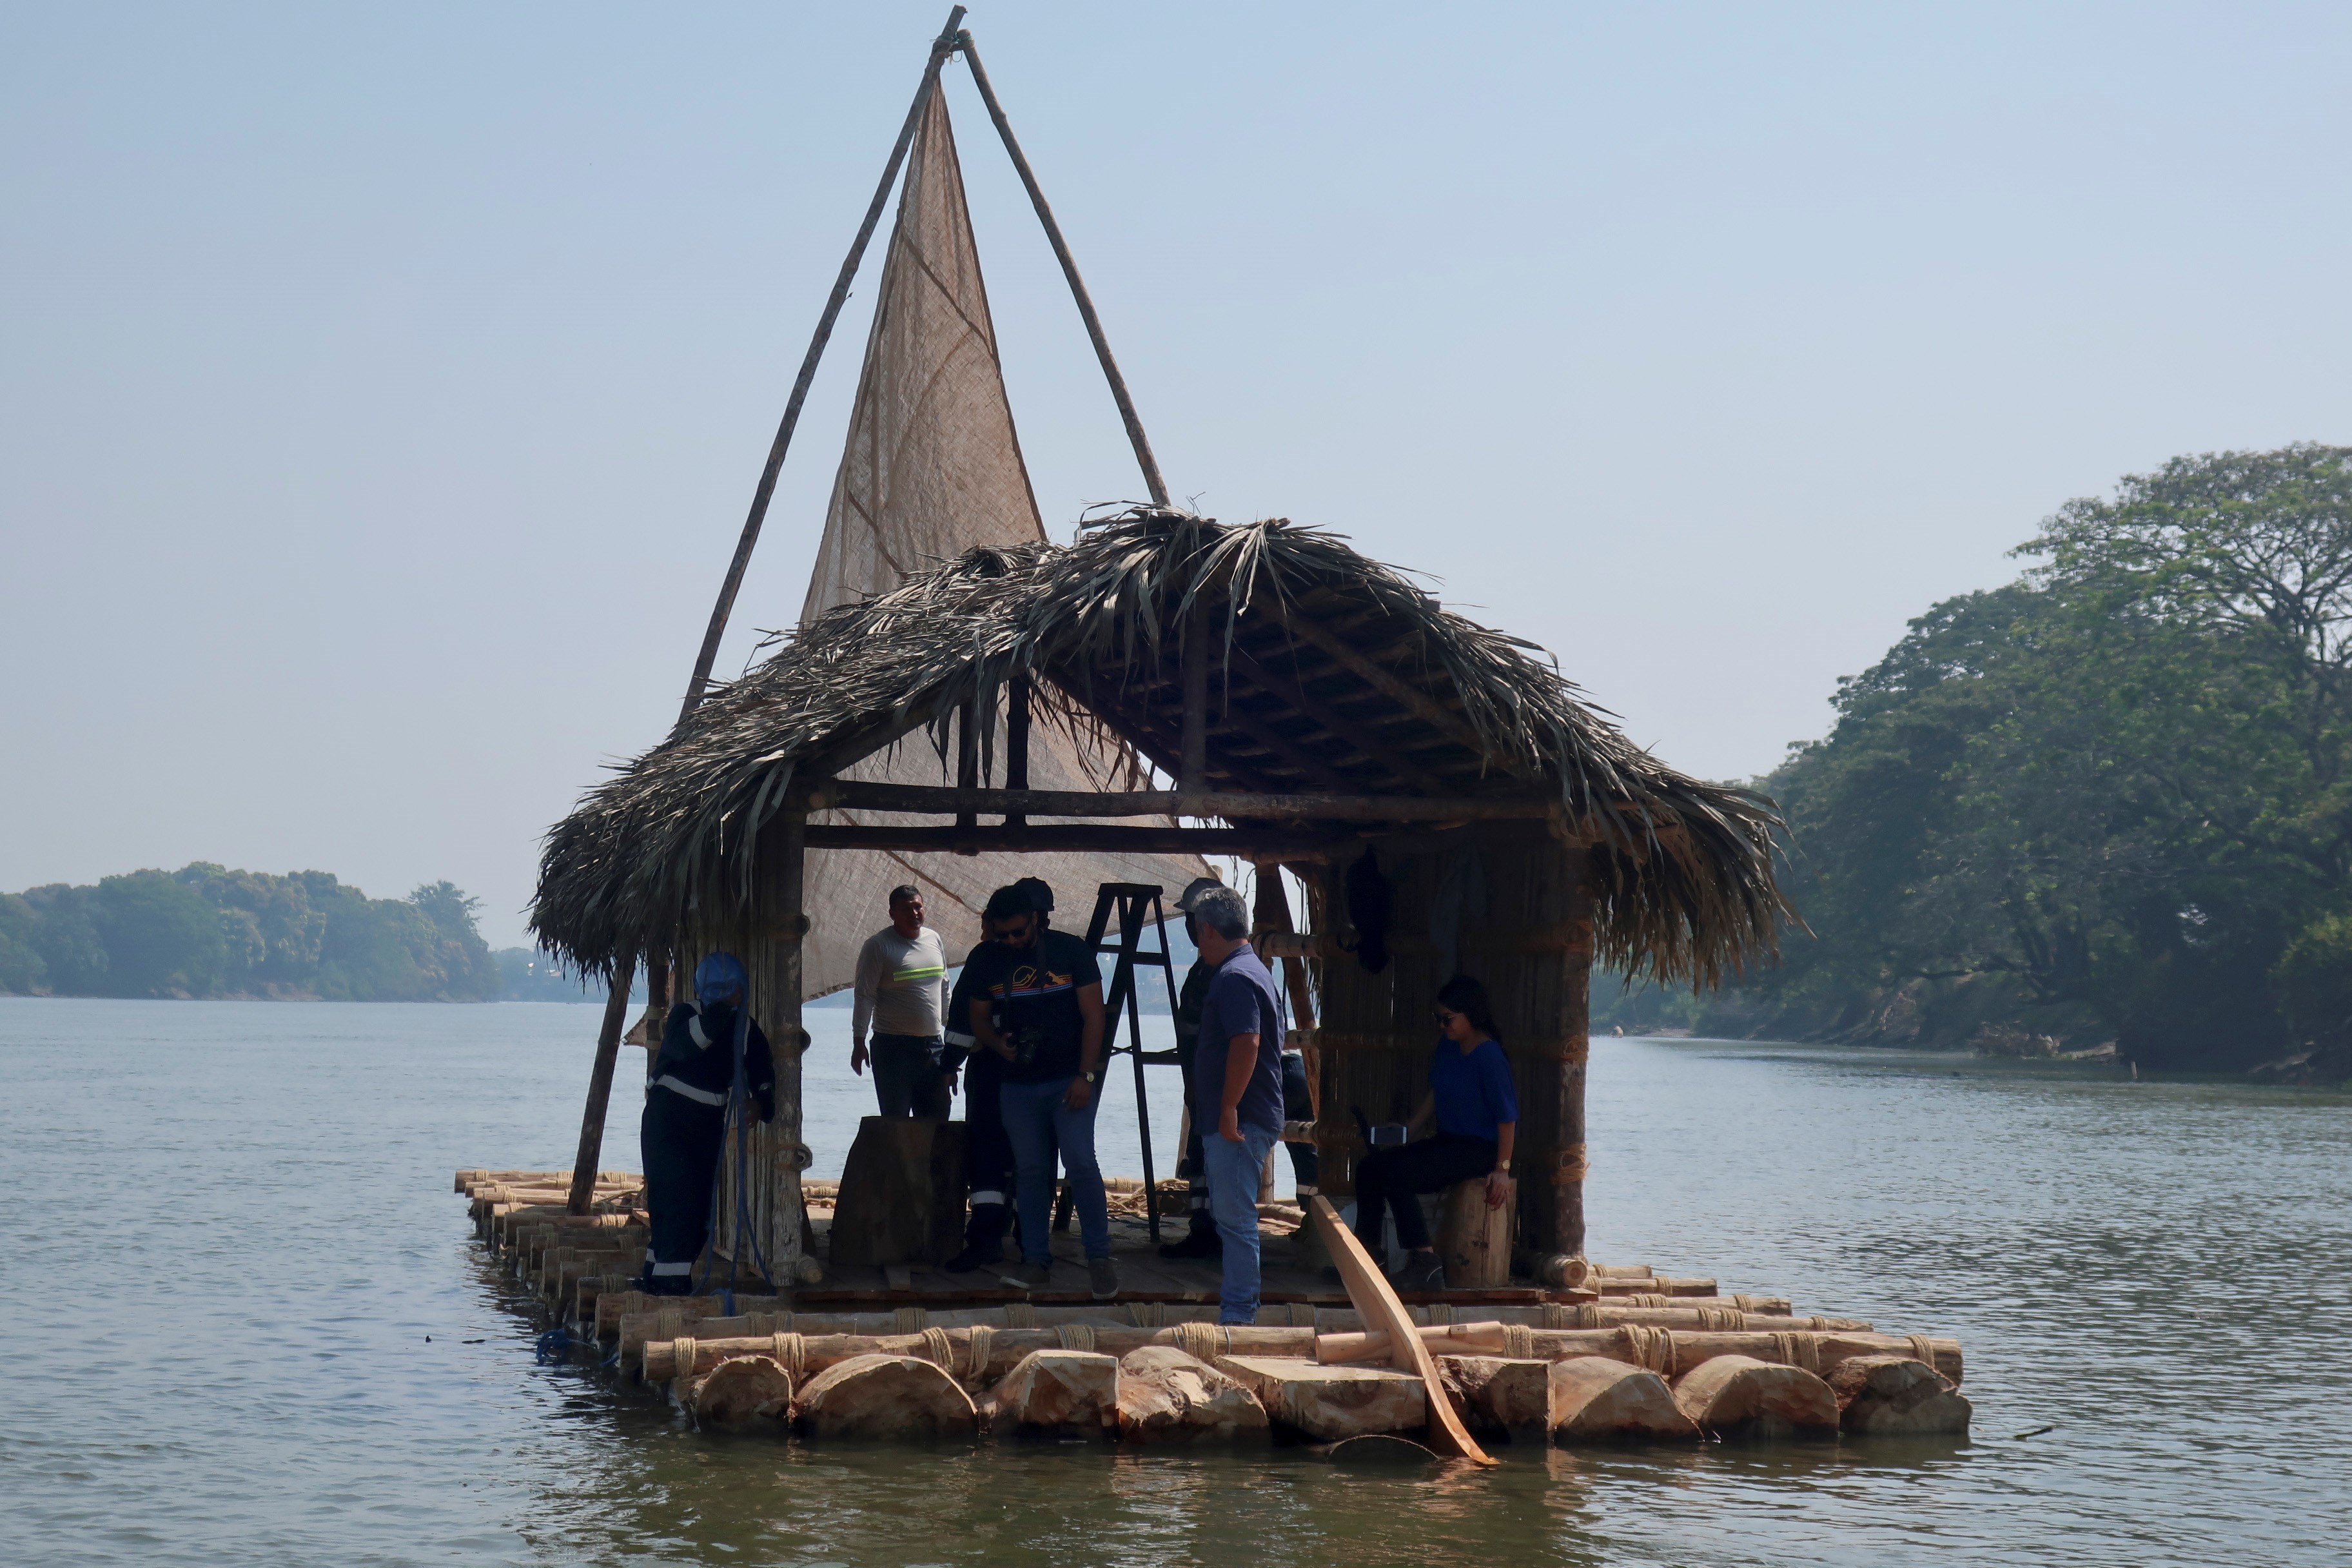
(858, 795)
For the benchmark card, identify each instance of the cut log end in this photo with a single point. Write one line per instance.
(1594, 1399)
(1887, 1396)
(1055, 1394)
(1168, 1396)
(1740, 1396)
(1331, 1403)
(892, 1398)
(740, 1391)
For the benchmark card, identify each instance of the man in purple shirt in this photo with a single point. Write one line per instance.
(1236, 1089)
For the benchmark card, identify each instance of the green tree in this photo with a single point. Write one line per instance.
(22, 970)
(161, 939)
(2104, 800)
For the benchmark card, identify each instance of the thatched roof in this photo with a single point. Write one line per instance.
(1334, 673)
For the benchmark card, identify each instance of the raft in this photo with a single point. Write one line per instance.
(1628, 1354)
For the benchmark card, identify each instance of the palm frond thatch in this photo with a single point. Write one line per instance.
(1683, 871)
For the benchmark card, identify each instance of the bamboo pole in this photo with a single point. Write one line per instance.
(941, 47)
(1135, 435)
(600, 1087)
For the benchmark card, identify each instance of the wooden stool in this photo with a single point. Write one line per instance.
(1473, 1241)
(901, 1198)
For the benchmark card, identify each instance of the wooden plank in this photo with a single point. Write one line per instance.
(1379, 1306)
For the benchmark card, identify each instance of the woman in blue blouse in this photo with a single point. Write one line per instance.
(1476, 1113)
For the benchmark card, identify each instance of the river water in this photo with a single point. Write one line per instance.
(245, 1324)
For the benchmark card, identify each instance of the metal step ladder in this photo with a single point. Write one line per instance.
(1133, 904)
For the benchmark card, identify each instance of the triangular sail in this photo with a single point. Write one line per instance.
(933, 466)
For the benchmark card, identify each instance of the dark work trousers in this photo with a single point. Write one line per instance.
(1391, 1179)
(987, 1152)
(908, 1078)
(1298, 1105)
(680, 1141)
(1192, 1167)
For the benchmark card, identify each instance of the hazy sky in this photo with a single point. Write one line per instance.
(381, 388)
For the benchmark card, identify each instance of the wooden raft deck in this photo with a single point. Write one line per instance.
(919, 1353)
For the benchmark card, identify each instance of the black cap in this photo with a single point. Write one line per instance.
(1006, 902)
(1040, 892)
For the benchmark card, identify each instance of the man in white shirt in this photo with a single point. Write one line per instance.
(901, 993)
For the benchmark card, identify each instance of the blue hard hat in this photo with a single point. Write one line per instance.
(718, 978)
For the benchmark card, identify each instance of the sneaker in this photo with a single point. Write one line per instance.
(1027, 1276)
(1199, 1243)
(1102, 1277)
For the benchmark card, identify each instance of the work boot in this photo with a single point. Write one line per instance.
(1102, 1279)
(1027, 1276)
(983, 1239)
(1420, 1273)
(1201, 1241)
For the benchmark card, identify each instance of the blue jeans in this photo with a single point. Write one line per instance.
(1234, 1171)
(1036, 1119)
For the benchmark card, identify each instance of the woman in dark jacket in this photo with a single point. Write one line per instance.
(684, 1125)
(1476, 1111)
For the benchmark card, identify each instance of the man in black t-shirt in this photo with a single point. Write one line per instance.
(1036, 1003)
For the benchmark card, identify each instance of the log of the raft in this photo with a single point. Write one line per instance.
(1493, 1336)
(1495, 1394)
(1654, 1286)
(1592, 1399)
(1332, 1403)
(1167, 1396)
(1001, 1349)
(893, 1398)
(739, 1392)
(1889, 1396)
(1055, 1394)
(1740, 1397)
(1670, 1352)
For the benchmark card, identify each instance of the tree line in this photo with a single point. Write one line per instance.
(2111, 800)
(206, 931)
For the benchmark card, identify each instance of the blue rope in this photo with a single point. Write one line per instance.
(554, 1347)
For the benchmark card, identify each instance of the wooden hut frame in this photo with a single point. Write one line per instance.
(1310, 705)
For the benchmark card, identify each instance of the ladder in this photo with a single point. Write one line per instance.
(1132, 903)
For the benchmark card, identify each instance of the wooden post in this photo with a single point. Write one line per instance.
(1193, 756)
(789, 1040)
(1135, 435)
(600, 1087)
(968, 757)
(941, 47)
(1016, 742)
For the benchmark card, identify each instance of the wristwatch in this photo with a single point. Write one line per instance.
(1089, 1077)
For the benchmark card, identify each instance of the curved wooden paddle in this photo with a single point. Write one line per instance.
(1378, 1306)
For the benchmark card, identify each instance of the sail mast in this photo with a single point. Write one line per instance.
(946, 44)
(1135, 435)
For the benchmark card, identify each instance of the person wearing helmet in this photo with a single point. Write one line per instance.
(682, 1133)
